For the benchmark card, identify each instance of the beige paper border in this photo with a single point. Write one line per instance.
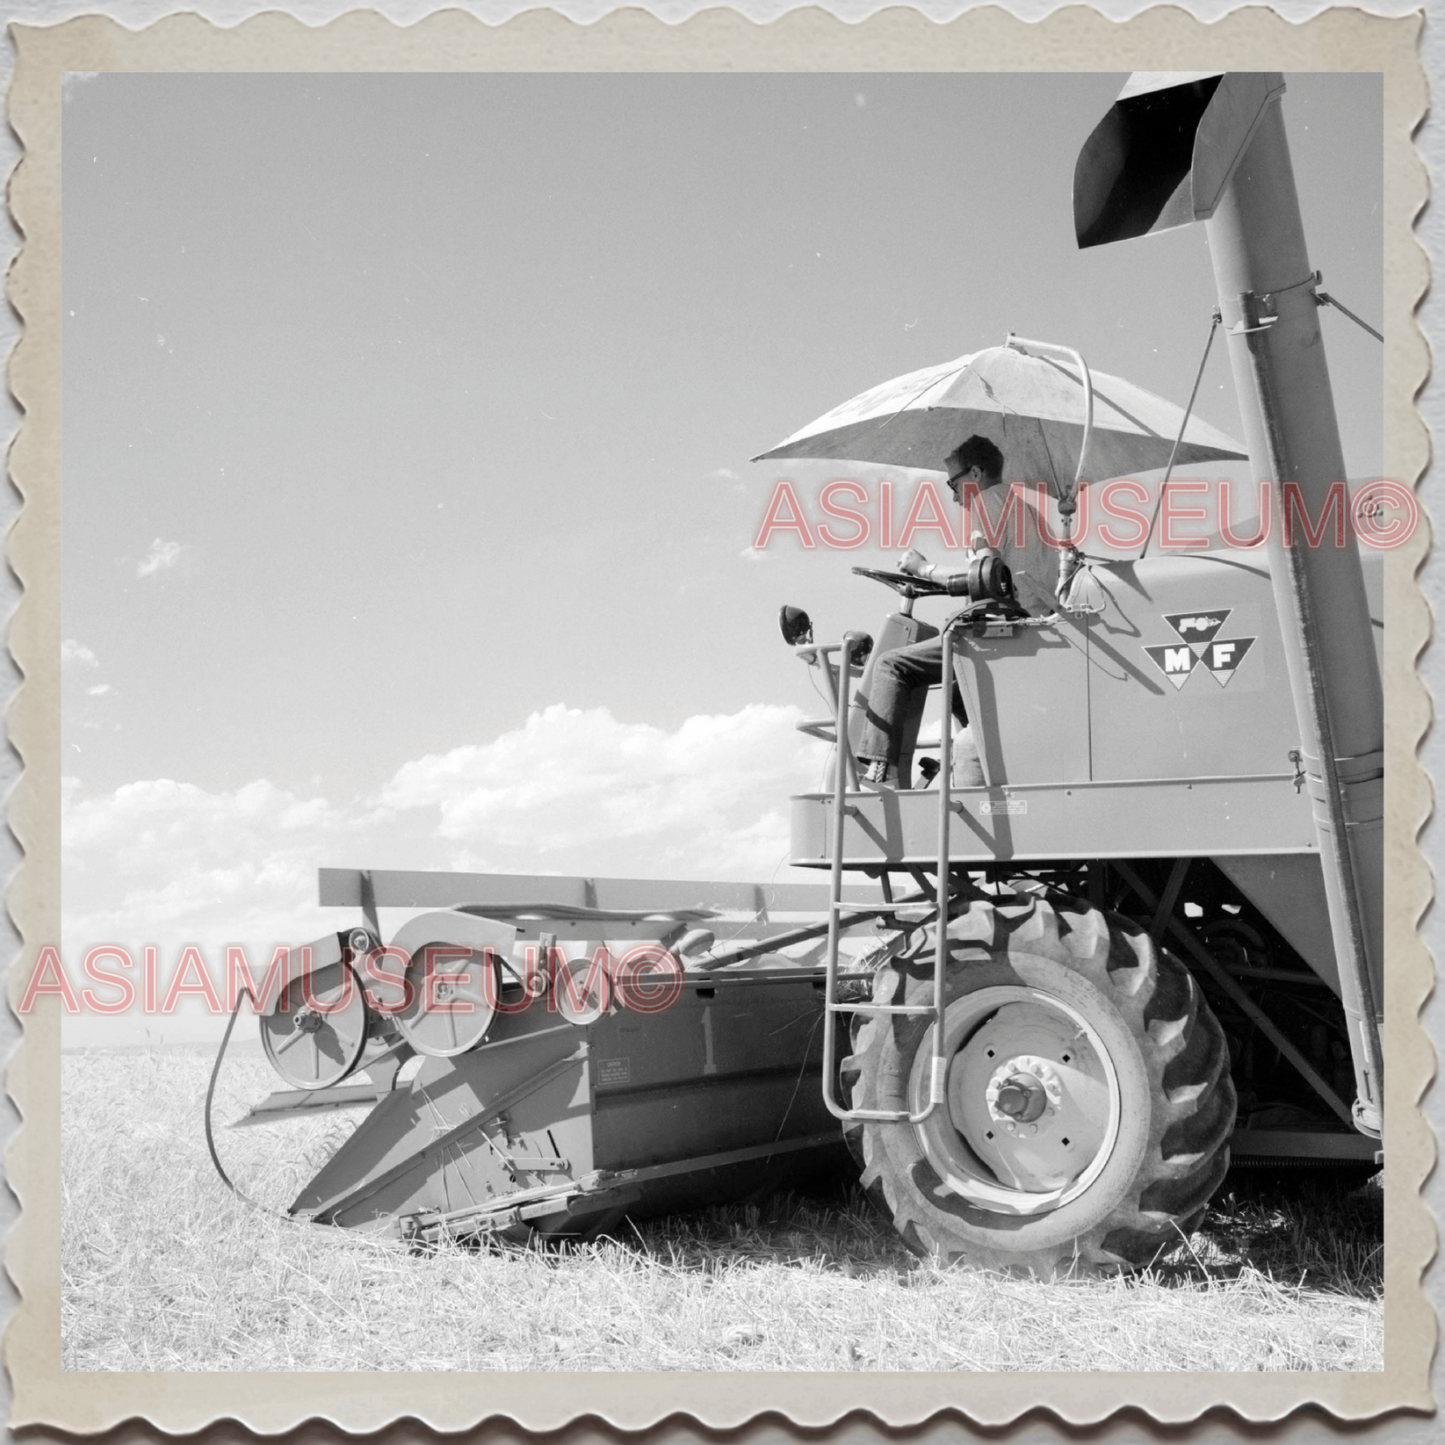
(1073, 39)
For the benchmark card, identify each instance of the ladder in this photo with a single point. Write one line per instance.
(839, 676)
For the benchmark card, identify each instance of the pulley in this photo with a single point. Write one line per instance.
(317, 1031)
(451, 999)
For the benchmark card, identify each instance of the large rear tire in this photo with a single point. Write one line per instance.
(1088, 1101)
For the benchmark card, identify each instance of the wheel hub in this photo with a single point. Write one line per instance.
(1022, 1090)
(1032, 1101)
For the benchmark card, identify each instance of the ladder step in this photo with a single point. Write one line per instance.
(880, 1008)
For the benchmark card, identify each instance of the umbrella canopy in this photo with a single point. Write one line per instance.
(1031, 407)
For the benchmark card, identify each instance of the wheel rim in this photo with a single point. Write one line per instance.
(318, 1029)
(1033, 1101)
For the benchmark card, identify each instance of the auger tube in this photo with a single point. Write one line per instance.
(1228, 165)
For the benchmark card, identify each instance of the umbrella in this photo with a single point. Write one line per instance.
(1034, 408)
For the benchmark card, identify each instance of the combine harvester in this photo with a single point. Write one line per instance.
(1132, 931)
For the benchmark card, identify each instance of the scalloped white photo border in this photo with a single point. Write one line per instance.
(988, 38)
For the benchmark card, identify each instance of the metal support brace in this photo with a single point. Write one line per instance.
(1170, 898)
(1323, 298)
(1215, 320)
(368, 905)
(1257, 1015)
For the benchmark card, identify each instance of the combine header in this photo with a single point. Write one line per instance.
(547, 1053)
(1126, 929)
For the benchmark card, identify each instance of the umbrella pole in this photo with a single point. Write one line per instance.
(1069, 558)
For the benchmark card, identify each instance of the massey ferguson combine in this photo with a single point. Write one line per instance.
(1126, 930)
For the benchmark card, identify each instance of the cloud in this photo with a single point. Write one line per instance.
(752, 554)
(575, 790)
(571, 791)
(100, 689)
(168, 863)
(72, 651)
(162, 556)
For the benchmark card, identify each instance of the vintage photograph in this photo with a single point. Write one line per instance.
(723, 722)
(440, 699)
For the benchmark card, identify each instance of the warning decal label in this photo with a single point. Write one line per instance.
(614, 1071)
(1199, 647)
(1012, 806)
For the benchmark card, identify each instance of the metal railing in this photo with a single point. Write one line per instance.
(831, 730)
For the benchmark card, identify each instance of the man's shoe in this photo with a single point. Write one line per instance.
(879, 773)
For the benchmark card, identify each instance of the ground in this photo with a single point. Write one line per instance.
(164, 1269)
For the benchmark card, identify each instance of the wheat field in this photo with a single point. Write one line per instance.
(164, 1269)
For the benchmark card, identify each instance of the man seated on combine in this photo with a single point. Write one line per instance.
(900, 674)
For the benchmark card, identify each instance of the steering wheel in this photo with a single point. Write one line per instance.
(904, 583)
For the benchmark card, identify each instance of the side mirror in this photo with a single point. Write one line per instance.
(796, 626)
(860, 651)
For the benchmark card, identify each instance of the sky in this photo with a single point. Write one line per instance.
(408, 506)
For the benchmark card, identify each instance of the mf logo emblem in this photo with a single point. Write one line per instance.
(1200, 646)
(1198, 626)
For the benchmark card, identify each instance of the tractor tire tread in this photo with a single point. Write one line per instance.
(1185, 1055)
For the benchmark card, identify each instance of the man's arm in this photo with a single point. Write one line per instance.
(915, 564)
